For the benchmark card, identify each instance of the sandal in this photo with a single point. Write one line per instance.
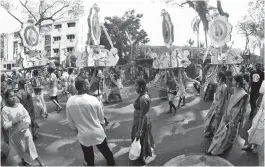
(254, 149)
(246, 147)
(25, 163)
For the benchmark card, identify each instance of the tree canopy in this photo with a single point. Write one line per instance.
(125, 32)
(42, 10)
(252, 24)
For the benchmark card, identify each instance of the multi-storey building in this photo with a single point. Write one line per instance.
(65, 36)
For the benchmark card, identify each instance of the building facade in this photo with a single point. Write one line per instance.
(65, 36)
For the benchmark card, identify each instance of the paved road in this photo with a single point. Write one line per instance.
(174, 135)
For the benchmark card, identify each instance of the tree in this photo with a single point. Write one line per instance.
(195, 25)
(202, 8)
(117, 28)
(190, 42)
(41, 11)
(252, 25)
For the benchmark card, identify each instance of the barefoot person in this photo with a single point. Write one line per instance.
(142, 125)
(17, 121)
(217, 108)
(232, 119)
(53, 82)
(37, 86)
(26, 100)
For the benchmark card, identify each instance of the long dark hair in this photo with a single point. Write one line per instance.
(222, 76)
(239, 80)
(143, 85)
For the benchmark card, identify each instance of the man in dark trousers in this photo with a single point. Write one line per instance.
(256, 78)
(85, 115)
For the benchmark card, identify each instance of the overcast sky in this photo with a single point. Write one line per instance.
(152, 21)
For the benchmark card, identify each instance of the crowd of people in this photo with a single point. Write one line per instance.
(88, 89)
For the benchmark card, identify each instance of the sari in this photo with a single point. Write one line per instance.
(210, 85)
(216, 111)
(26, 100)
(256, 132)
(230, 124)
(141, 108)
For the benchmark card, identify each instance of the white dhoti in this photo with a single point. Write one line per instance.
(181, 92)
(24, 145)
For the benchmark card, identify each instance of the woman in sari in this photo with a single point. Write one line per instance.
(256, 132)
(210, 84)
(217, 108)
(25, 98)
(232, 119)
(142, 125)
(17, 120)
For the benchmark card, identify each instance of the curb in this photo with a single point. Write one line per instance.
(197, 160)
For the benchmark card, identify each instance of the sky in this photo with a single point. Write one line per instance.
(152, 21)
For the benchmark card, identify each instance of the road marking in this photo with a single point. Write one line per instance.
(59, 143)
(122, 151)
(17, 159)
(49, 135)
(118, 140)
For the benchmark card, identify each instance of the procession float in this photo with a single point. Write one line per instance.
(98, 59)
(172, 58)
(30, 56)
(220, 34)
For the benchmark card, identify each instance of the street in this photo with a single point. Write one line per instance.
(174, 134)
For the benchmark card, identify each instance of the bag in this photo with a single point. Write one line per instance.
(135, 150)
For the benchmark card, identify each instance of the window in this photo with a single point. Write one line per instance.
(70, 49)
(71, 24)
(70, 37)
(47, 38)
(4, 65)
(15, 48)
(13, 65)
(56, 50)
(56, 38)
(16, 35)
(57, 26)
(8, 66)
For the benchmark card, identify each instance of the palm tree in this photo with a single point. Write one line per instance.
(195, 25)
(190, 42)
(202, 8)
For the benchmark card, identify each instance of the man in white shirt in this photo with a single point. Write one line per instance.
(53, 81)
(85, 114)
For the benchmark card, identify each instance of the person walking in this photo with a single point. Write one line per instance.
(85, 115)
(256, 78)
(25, 98)
(142, 125)
(16, 120)
(53, 90)
(37, 86)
